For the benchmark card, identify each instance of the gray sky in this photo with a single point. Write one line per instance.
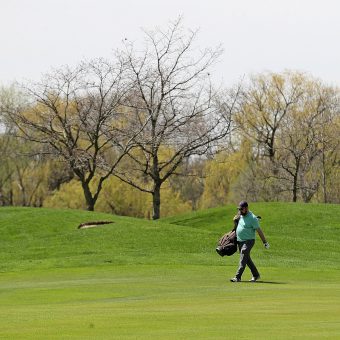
(257, 35)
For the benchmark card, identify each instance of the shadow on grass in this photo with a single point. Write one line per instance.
(269, 282)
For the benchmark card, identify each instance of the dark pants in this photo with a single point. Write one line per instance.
(245, 260)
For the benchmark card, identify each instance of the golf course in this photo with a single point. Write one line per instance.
(141, 279)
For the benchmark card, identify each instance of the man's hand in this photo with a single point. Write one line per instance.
(266, 245)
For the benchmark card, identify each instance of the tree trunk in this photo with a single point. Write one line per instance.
(10, 197)
(295, 188)
(90, 200)
(156, 202)
(296, 178)
(324, 176)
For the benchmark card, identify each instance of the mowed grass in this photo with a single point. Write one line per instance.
(138, 279)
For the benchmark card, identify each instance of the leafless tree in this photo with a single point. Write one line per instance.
(10, 100)
(173, 98)
(75, 114)
(302, 143)
(6, 170)
(264, 103)
(329, 141)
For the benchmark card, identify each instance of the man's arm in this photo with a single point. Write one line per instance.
(263, 238)
(261, 234)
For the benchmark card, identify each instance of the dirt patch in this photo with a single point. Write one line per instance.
(93, 224)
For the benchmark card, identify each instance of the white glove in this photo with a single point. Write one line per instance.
(266, 245)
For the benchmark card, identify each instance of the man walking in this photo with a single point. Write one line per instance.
(245, 232)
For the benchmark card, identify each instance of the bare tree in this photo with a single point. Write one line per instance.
(10, 100)
(288, 116)
(263, 105)
(328, 139)
(302, 140)
(6, 169)
(75, 115)
(172, 96)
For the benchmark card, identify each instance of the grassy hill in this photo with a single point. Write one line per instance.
(139, 279)
(299, 234)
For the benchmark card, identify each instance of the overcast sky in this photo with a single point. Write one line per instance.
(257, 35)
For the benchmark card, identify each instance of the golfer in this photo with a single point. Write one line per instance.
(245, 232)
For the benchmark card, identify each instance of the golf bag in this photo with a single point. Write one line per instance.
(227, 245)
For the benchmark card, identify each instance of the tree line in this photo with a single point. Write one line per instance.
(150, 126)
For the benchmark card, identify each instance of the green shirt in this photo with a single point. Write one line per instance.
(246, 227)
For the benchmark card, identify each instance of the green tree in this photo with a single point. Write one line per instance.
(118, 198)
(221, 173)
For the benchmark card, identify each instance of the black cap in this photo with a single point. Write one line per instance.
(243, 204)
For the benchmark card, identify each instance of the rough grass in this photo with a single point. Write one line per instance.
(138, 279)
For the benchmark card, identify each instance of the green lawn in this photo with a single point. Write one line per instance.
(138, 279)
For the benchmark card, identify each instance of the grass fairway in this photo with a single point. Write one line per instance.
(138, 279)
